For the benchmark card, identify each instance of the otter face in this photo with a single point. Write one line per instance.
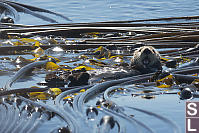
(146, 59)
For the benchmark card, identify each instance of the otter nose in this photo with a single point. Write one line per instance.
(147, 51)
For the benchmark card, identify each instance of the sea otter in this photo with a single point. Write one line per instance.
(146, 59)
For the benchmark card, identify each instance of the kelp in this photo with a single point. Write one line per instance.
(13, 8)
(159, 35)
(89, 48)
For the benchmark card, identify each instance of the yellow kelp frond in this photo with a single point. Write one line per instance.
(86, 67)
(52, 66)
(97, 63)
(165, 82)
(18, 43)
(38, 52)
(55, 91)
(39, 95)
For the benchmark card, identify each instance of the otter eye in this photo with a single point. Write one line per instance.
(153, 51)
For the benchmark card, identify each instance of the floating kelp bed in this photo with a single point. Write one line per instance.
(46, 69)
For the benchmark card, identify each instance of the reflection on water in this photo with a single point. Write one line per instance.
(168, 106)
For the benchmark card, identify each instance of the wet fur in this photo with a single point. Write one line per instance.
(146, 53)
(136, 68)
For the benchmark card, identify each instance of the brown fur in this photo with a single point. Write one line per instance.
(146, 59)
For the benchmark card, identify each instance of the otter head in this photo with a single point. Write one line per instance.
(146, 59)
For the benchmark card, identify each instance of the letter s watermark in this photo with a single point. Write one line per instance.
(193, 107)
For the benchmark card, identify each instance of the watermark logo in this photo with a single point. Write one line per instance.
(192, 117)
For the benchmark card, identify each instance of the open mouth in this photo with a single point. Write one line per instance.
(146, 61)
